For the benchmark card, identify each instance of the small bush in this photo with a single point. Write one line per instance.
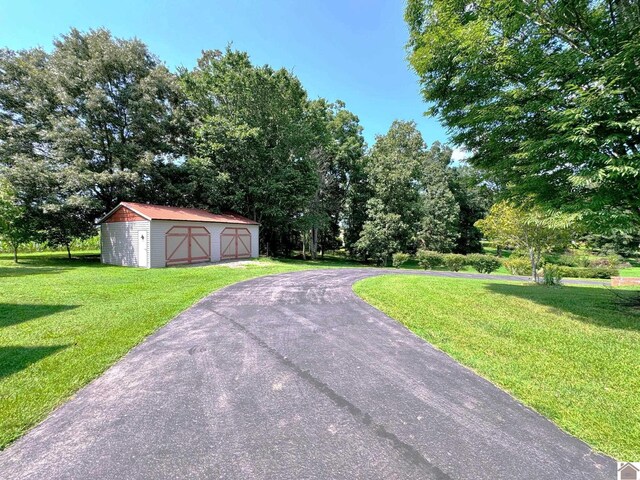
(611, 261)
(454, 261)
(518, 266)
(588, 272)
(581, 261)
(399, 259)
(483, 263)
(551, 275)
(428, 259)
(518, 254)
(570, 260)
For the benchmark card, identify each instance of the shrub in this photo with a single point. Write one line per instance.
(428, 259)
(454, 261)
(518, 266)
(588, 272)
(572, 260)
(581, 261)
(483, 263)
(611, 261)
(398, 259)
(551, 275)
(518, 254)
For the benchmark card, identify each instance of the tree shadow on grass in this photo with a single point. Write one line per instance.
(596, 305)
(14, 313)
(14, 359)
(20, 271)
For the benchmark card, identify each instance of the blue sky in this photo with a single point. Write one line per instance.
(351, 50)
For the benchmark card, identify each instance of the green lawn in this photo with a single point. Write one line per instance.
(630, 272)
(63, 322)
(571, 353)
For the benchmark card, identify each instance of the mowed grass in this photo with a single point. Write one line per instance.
(630, 272)
(63, 322)
(572, 353)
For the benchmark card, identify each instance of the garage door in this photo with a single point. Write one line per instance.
(187, 245)
(235, 243)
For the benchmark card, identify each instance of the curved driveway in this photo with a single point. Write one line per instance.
(293, 377)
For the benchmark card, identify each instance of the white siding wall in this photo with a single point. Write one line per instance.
(160, 227)
(255, 240)
(119, 242)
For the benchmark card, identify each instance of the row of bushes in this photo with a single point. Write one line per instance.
(522, 266)
(451, 261)
(588, 272)
(584, 261)
(488, 264)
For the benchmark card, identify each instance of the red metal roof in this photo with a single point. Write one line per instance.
(161, 212)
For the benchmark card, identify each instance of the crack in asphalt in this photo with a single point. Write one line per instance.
(409, 452)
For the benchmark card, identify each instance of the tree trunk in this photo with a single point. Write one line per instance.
(314, 243)
(534, 265)
(68, 251)
(306, 245)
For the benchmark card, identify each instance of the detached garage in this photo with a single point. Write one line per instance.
(142, 235)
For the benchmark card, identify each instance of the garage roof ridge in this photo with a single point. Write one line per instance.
(162, 212)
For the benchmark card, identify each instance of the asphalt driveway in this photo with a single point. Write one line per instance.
(293, 377)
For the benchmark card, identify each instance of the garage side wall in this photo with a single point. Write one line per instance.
(255, 240)
(119, 242)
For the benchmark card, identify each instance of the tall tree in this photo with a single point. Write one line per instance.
(252, 141)
(394, 168)
(339, 147)
(118, 115)
(83, 127)
(440, 214)
(474, 195)
(354, 214)
(545, 95)
(440, 211)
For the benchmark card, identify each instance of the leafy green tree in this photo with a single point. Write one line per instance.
(86, 126)
(545, 95)
(354, 214)
(338, 147)
(394, 170)
(253, 142)
(530, 229)
(440, 215)
(56, 212)
(119, 113)
(14, 225)
(474, 196)
(383, 234)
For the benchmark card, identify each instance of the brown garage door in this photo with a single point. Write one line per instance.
(187, 245)
(235, 243)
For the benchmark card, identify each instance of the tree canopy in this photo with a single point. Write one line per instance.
(84, 127)
(528, 228)
(412, 202)
(544, 95)
(99, 119)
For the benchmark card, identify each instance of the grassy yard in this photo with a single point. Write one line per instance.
(571, 353)
(63, 322)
